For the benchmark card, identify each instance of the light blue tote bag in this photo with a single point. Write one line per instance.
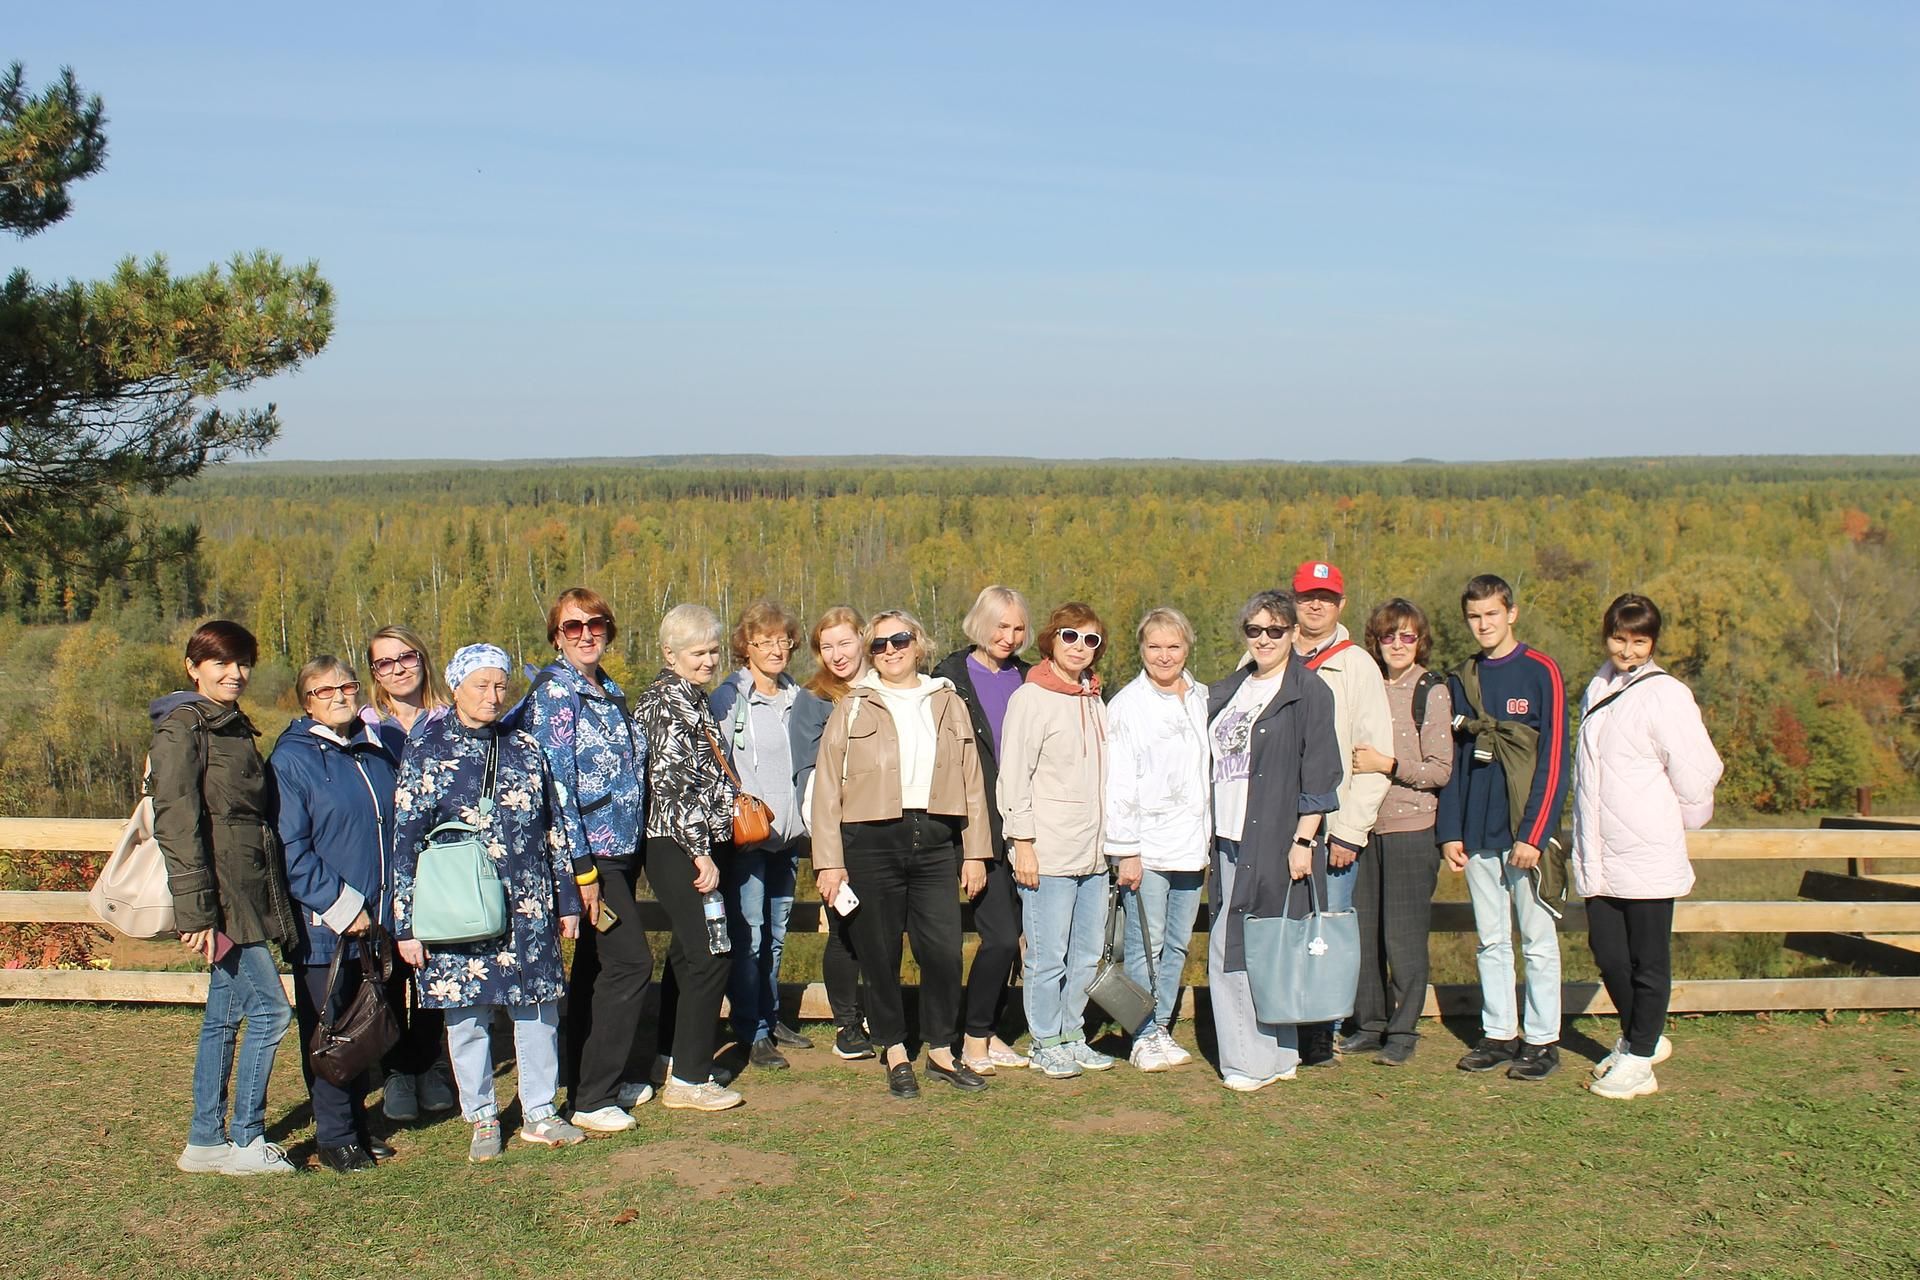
(1306, 970)
(457, 895)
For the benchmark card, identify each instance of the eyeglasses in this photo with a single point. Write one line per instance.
(599, 624)
(900, 640)
(328, 692)
(1407, 638)
(1252, 632)
(1089, 638)
(773, 644)
(405, 660)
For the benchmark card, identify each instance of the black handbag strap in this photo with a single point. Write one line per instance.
(375, 969)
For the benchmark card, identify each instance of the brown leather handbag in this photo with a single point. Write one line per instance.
(343, 1046)
(752, 819)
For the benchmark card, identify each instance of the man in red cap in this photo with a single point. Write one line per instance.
(1360, 715)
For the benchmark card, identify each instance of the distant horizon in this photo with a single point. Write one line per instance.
(957, 459)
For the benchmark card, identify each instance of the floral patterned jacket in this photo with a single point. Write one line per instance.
(598, 760)
(441, 781)
(689, 798)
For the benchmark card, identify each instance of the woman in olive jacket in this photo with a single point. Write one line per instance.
(213, 819)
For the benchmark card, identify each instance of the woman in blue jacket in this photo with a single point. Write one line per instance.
(335, 779)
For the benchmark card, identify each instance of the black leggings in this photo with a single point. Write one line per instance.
(1632, 941)
(996, 918)
(695, 978)
(604, 992)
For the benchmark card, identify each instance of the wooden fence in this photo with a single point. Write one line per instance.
(1881, 914)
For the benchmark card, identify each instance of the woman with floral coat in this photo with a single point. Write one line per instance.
(443, 780)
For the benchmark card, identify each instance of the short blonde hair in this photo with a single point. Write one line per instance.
(988, 608)
(687, 625)
(1167, 618)
(922, 645)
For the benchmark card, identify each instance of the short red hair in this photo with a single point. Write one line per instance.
(1080, 617)
(587, 598)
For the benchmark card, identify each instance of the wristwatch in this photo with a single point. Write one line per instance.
(1305, 842)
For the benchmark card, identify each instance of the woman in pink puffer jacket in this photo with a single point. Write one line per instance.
(1644, 775)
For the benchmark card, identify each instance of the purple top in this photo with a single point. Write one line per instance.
(994, 688)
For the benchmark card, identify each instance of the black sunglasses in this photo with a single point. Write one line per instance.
(1252, 632)
(1089, 638)
(899, 640)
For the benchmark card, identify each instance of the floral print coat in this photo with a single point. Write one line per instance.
(441, 781)
(598, 759)
(689, 797)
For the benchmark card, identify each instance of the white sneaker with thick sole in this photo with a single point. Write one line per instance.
(604, 1120)
(1661, 1052)
(1247, 1084)
(401, 1100)
(633, 1095)
(204, 1159)
(1631, 1077)
(706, 1096)
(1170, 1050)
(1147, 1055)
(258, 1156)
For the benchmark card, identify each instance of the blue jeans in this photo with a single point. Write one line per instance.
(1504, 897)
(536, 1058)
(758, 887)
(1065, 918)
(245, 985)
(1340, 883)
(1171, 900)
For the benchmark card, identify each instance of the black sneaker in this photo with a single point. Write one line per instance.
(765, 1056)
(900, 1081)
(851, 1044)
(787, 1038)
(1536, 1062)
(1362, 1042)
(1316, 1046)
(1489, 1054)
(1397, 1052)
(351, 1158)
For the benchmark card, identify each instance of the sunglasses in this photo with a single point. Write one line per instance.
(1252, 632)
(598, 625)
(328, 692)
(406, 660)
(1089, 638)
(900, 640)
(1407, 638)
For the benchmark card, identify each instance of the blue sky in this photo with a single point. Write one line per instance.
(1230, 230)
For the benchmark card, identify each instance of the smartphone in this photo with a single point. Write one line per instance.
(845, 901)
(604, 919)
(221, 945)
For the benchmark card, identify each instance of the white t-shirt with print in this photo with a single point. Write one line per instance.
(1231, 734)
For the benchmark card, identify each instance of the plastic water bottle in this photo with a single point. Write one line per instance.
(714, 908)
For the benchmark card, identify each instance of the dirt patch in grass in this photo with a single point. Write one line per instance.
(789, 1097)
(1126, 1123)
(708, 1169)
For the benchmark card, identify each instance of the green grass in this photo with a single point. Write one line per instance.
(1777, 1147)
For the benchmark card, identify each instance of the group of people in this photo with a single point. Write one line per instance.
(1321, 775)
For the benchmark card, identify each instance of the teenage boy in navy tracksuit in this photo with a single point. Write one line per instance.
(1477, 834)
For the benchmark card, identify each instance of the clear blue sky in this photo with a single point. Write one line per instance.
(1222, 230)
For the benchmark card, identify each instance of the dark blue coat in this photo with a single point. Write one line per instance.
(336, 825)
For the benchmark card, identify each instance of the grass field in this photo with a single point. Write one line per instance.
(1777, 1147)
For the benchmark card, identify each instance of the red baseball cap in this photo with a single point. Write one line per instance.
(1318, 575)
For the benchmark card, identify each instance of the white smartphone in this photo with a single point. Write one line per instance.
(846, 900)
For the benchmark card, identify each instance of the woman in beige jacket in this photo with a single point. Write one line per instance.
(1052, 798)
(898, 811)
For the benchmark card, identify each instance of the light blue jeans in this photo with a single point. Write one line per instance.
(1064, 919)
(1171, 900)
(1341, 881)
(758, 887)
(536, 1052)
(244, 986)
(1502, 898)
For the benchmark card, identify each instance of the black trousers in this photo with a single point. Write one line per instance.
(423, 1032)
(1393, 898)
(695, 979)
(996, 918)
(339, 1114)
(604, 994)
(1632, 941)
(840, 972)
(907, 879)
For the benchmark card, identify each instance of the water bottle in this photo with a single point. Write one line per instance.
(714, 908)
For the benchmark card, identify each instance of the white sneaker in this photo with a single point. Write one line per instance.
(402, 1097)
(604, 1120)
(1661, 1052)
(633, 1095)
(1147, 1055)
(707, 1096)
(1170, 1050)
(1630, 1077)
(204, 1159)
(258, 1156)
(1247, 1084)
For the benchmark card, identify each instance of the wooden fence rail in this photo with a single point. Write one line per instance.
(1875, 912)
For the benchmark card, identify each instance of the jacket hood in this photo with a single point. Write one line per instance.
(1045, 675)
(161, 708)
(928, 686)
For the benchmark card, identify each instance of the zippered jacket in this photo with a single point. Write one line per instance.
(1053, 772)
(598, 759)
(1159, 776)
(335, 819)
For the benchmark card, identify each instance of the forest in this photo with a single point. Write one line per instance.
(1791, 586)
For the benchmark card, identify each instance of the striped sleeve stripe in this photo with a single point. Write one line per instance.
(1543, 821)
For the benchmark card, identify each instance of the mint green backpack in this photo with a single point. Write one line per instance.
(457, 895)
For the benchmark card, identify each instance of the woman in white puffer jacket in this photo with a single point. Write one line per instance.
(1644, 776)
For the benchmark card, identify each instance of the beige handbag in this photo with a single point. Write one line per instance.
(132, 893)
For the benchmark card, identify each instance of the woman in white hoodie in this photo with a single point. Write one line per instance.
(1159, 783)
(1643, 777)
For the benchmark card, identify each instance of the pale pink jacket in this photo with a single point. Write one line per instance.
(1643, 777)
